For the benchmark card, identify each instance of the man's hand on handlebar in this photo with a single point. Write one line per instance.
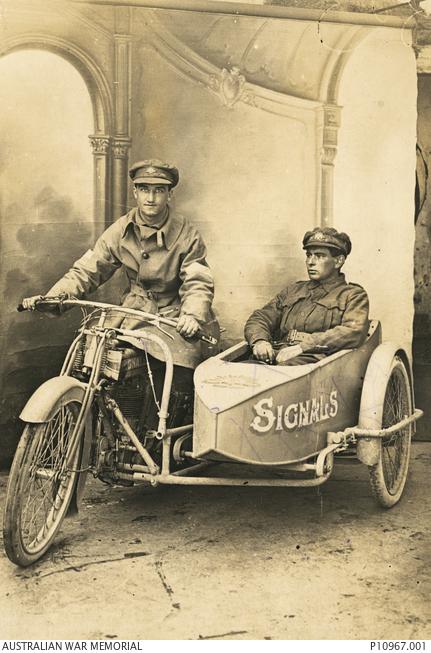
(188, 326)
(37, 302)
(29, 303)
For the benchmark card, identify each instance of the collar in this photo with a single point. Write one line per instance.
(140, 220)
(169, 230)
(329, 284)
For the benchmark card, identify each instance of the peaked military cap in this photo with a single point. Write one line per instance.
(153, 171)
(328, 237)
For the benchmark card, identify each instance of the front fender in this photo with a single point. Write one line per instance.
(42, 404)
(41, 408)
(373, 396)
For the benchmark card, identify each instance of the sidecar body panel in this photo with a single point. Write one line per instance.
(275, 415)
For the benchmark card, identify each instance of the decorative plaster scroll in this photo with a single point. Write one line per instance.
(120, 147)
(100, 144)
(287, 56)
(230, 85)
(330, 133)
(328, 155)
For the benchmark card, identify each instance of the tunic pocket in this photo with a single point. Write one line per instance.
(286, 306)
(334, 308)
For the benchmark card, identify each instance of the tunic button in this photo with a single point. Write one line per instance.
(145, 255)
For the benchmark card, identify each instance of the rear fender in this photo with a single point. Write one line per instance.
(41, 405)
(373, 395)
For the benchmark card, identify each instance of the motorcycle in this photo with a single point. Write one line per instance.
(127, 408)
(119, 405)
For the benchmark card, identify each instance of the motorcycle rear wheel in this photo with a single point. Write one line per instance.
(388, 477)
(41, 485)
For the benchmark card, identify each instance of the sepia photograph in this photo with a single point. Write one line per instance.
(215, 367)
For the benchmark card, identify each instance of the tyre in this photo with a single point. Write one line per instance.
(388, 476)
(41, 485)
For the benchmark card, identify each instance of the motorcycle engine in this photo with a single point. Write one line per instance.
(139, 391)
(136, 385)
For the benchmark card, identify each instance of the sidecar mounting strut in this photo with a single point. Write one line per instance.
(114, 408)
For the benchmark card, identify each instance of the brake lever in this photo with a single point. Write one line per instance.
(156, 323)
(199, 335)
(205, 338)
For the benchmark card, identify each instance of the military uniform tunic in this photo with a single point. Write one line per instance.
(323, 317)
(167, 273)
(165, 266)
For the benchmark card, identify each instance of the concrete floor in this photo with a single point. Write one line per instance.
(232, 563)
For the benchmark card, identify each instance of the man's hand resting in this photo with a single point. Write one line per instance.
(287, 353)
(263, 351)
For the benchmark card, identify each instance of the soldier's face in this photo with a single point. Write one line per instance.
(151, 200)
(322, 264)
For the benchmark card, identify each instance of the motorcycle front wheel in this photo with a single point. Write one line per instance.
(41, 484)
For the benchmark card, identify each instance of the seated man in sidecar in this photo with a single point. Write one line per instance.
(309, 320)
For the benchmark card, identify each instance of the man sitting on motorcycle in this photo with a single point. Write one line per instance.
(164, 258)
(309, 320)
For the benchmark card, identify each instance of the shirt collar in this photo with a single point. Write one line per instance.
(169, 231)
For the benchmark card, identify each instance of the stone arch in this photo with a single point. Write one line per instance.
(102, 104)
(332, 74)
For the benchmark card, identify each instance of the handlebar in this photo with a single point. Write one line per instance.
(153, 318)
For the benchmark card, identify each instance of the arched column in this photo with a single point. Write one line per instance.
(100, 145)
(331, 123)
(328, 93)
(103, 111)
(121, 138)
(120, 159)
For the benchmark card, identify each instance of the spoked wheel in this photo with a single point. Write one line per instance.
(41, 485)
(388, 476)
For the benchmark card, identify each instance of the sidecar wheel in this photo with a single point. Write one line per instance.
(389, 475)
(41, 485)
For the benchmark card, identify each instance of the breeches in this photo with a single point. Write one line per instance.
(304, 359)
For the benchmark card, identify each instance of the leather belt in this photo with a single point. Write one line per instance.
(152, 294)
(294, 336)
